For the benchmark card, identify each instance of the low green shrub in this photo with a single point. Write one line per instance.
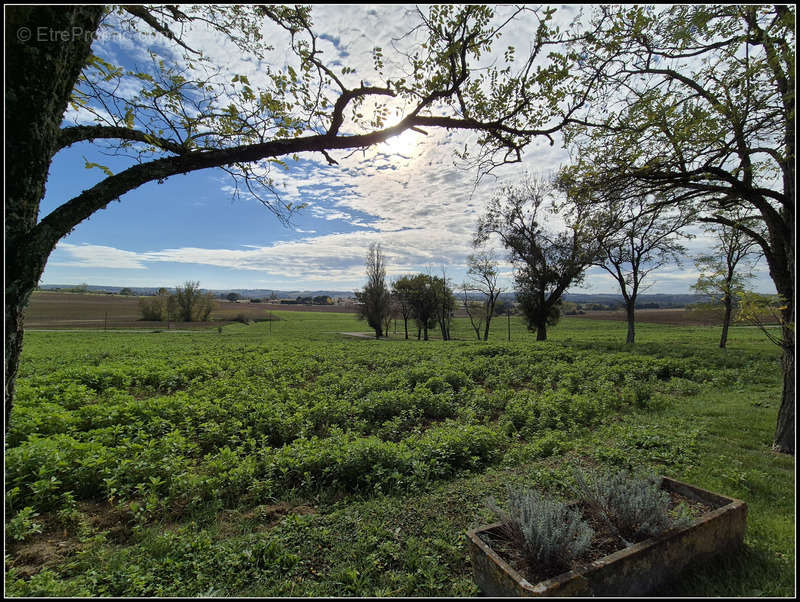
(22, 525)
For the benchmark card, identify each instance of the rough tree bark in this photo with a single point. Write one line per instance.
(726, 319)
(630, 312)
(784, 433)
(42, 66)
(780, 259)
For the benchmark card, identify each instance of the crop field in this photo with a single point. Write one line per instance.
(57, 310)
(677, 316)
(49, 310)
(288, 459)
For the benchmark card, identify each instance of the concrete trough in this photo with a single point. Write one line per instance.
(633, 571)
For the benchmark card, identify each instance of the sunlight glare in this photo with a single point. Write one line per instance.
(403, 144)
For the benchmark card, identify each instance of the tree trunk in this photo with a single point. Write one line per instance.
(630, 312)
(14, 306)
(783, 275)
(784, 433)
(486, 329)
(443, 328)
(477, 328)
(46, 48)
(405, 325)
(541, 332)
(726, 321)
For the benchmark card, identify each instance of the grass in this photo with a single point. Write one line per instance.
(711, 426)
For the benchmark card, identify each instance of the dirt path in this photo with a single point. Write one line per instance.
(362, 335)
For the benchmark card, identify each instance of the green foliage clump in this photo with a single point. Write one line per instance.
(22, 525)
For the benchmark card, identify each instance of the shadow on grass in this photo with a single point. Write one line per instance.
(746, 572)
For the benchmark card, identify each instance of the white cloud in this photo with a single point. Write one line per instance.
(406, 194)
(96, 256)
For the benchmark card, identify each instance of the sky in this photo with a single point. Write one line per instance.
(410, 195)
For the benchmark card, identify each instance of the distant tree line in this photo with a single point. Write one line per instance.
(309, 300)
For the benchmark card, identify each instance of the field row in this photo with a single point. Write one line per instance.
(260, 421)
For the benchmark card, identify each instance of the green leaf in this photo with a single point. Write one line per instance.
(89, 165)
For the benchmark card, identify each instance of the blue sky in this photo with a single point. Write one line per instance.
(406, 195)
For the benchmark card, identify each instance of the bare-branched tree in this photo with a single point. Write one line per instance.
(721, 275)
(483, 274)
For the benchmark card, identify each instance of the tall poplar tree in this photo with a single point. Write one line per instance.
(375, 298)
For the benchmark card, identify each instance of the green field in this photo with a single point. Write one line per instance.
(287, 459)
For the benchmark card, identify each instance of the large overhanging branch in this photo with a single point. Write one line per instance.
(337, 118)
(706, 179)
(67, 216)
(738, 225)
(81, 133)
(729, 186)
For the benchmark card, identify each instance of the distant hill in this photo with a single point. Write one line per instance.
(242, 292)
(654, 300)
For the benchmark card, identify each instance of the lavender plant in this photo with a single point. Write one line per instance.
(634, 507)
(548, 533)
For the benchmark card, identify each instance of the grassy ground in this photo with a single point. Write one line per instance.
(342, 524)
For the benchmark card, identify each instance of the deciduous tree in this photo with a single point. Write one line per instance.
(547, 260)
(444, 303)
(721, 275)
(696, 104)
(192, 304)
(402, 293)
(646, 238)
(157, 307)
(482, 272)
(423, 303)
(476, 311)
(375, 299)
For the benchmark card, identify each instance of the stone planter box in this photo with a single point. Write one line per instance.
(632, 571)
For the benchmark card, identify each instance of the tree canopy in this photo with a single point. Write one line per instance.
(695, 104)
